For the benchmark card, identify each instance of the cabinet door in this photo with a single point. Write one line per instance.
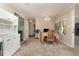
(11, 45)
(15, 20)
(7, 47)
(5, 15)
(16, 43)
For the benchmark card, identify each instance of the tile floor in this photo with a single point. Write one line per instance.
(35, 48)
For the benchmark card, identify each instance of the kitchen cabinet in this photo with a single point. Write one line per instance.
(5, 15)
(7, 47)
(16, 43)
(10, 45)
(9, 33)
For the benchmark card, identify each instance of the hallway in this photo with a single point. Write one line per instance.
(35, 48)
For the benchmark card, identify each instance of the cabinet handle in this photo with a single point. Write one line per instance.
(8, 40)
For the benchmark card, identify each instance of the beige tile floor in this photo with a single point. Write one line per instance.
(35, 48)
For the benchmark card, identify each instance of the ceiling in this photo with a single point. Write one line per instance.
(41, 9)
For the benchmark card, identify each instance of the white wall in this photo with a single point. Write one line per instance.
(26, 30)
(77, 13)
(69, 18)
(11, 9)
(41, 23)
(77, 20)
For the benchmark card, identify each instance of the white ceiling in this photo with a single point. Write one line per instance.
(41, 9)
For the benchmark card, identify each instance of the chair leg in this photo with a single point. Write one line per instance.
(42, 42)
(57, 42)
(53, 43)
(47, 43)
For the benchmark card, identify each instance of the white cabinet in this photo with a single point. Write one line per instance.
(10, 45)
(15, 20)
(7, 47)
(5, 15)
(16, 43)
(9, 33)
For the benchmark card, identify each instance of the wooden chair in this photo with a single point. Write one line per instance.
(43, 36)
(50, 36)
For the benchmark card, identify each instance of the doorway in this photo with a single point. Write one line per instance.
(32, 27)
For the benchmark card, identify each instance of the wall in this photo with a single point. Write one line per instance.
(41, 23)
(77, 20)
(77, 13)
(11, 9)
(68, 17)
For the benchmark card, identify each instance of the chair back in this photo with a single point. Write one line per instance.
(51, 35)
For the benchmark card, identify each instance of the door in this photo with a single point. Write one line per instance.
(32, 27)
